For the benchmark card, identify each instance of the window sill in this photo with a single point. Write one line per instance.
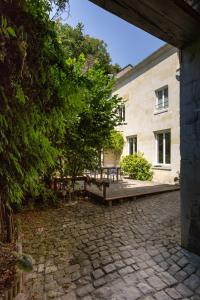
(162, 167)
(160, 111)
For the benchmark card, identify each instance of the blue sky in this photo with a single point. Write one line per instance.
(126, 43)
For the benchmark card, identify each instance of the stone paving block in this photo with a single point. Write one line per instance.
(86, 270)
(124, 248)
(87, 298)
(96, 264)
(165, 254)
(131, 279)
(50, 286)
(102, 293)
(142, 274)
(183, 290)
(182, 262)
(106, 260)
(164, 265)
(148, 298)
(75, 275)
(85, 262)
(158, 258)
(172, 292)
(125, 254)
(116, 256)
(145, 288)
(85, 290)
(193, 282)
(54, 294)
(112, 276)
(156, 282)
(97, 273)
(175, 258)
(50, 269)
(135, 267)
(162, 296)
(151, 263)
(136, 229)
(99, 282)
(129, 261)
(62, 281)
(69, 296)
(109, 268)
(104, 253)
(157, 268)
(132, 293)
(118, 285)
(181, 275)
(119, 264)
(174, 269)
(142, 265)
(150, 271)
(125, 271)
(189, 269)
(94, 256)
(167, 278)
(40, 268)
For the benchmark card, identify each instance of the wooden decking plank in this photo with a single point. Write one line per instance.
(129, 189)
(142, 193)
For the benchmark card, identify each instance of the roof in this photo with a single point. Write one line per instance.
(174, 21)
(123, 71)
(150, 61)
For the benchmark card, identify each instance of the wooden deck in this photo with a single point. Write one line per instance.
(129, 189)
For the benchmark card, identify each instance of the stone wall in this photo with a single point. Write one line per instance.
(190, 147)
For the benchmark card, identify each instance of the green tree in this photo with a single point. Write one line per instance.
(92, 127)
(115, 142)
(51, 106)
(75, 43)
(36, 96)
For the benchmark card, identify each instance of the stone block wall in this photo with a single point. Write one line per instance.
(190, 147)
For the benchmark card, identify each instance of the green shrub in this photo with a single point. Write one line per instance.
(136, 167)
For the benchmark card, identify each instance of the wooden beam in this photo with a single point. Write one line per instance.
(173, 21)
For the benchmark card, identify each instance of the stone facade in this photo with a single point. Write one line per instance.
(138, 86)
(190, 147)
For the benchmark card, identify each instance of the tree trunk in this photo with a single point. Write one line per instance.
(7, 231)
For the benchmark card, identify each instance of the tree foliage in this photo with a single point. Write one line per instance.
(51, 106)
(36, 95)
(115, 143)
(75, 43)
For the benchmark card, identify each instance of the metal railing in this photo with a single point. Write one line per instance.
(110, 173)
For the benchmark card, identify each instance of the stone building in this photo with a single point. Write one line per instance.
(150, 112)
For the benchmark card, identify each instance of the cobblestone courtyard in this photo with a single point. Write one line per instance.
(90, 251)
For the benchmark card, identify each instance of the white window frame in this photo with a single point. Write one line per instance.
(122, 107)
(163, 98)
(130, 137)
(164, 148)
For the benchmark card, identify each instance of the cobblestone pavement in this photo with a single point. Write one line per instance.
(89, 251)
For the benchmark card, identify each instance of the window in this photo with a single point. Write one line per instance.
(162, 101)
(121, 110)
(163, 148)
(132, 145)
